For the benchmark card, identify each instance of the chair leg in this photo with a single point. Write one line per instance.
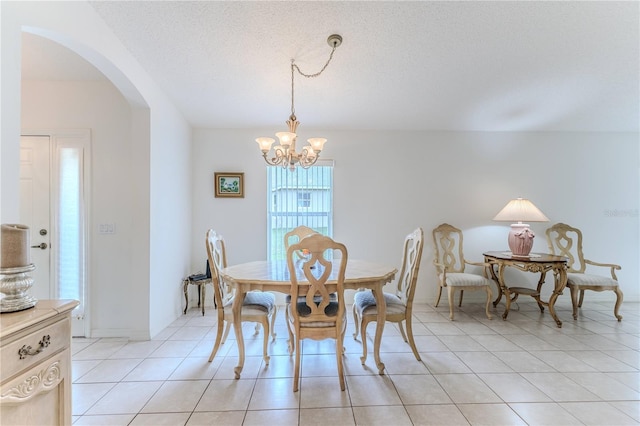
(218, 340)
(461, 294)
(265, 341)
(489, 297)
(273, 323)
(450, 294)
(356, 322)
(226, 331)
(339, 350)
(296, 365)
(574, 300)
(439, 294)
(363, 337)
(619, 298)
(290, 342)
(404, 336)
(581, 298)
(412, 342)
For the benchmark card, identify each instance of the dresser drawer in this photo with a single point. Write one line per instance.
(32, 348)
(40, 396)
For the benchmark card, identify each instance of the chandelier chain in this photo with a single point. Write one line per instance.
(294, 66)
(285, 153)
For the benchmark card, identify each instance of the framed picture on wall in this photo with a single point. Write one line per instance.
(230, 184)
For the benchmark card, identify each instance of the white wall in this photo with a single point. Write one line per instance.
(159, 152)
(388, 183)
(60, 105)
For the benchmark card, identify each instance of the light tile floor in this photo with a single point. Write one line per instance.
(473, 371)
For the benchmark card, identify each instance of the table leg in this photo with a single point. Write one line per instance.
(497, 281)
(543, 276)
(185, 289)
(238, 300)
(560, 281)
(203, 288)
(504, 289)
(380, 320)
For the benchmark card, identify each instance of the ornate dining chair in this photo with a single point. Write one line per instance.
(315, 315)
(399, 305)
(450, 266)
(291, 237)
(565, 240)
(258, 306)
(295, 235)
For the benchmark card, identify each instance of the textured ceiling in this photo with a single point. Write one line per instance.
(460, 66)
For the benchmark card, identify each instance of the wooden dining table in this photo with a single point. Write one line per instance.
(265, 275)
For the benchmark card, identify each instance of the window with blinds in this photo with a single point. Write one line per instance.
(299, 197)
(70, 216)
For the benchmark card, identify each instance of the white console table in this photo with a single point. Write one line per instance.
(35, 355)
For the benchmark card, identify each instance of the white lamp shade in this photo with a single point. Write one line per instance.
(317, 143)
(286, 138)
(521, 210)
(265, 143)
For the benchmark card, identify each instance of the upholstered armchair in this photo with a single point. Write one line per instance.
(565, 240)
(450, 266)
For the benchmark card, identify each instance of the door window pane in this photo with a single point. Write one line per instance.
(69, 256)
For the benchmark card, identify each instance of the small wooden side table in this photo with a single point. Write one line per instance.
(201, 291)
(535, 262)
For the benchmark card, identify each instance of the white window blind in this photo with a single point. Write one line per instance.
(70, 213)
(299, 197)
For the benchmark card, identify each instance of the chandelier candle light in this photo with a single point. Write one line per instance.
(285, 153)
(520, 236)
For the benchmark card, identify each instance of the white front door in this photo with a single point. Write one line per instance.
(54, 173)
(35, 191)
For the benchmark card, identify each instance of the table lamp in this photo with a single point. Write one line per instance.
(520, 236)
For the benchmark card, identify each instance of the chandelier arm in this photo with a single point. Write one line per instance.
(280, 158)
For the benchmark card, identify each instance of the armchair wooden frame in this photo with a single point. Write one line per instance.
(450, 266)
(565, 240)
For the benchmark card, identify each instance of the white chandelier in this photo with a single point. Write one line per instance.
(285, 153)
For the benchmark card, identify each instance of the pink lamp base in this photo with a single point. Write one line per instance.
(521, 239)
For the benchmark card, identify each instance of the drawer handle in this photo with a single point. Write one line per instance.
(28, 350)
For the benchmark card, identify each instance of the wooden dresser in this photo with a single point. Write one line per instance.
(35, 356)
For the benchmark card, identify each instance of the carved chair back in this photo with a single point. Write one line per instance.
(217, 261)
(297, 234)
(448, 255)
(565, 240)
(412, 253)
(314, 271)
